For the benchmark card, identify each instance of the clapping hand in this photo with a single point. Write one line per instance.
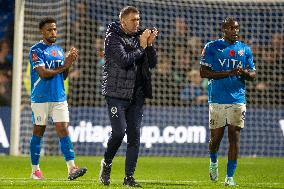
(71, 56)
(152, 37)
(144, 38)
(240, 71)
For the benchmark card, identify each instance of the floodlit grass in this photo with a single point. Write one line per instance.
(152, 172)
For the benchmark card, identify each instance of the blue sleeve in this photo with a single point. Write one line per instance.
(207, 56)
(36, 59)
(249, 59)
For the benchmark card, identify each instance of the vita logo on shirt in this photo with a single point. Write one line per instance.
(231, 62)
(53, 63)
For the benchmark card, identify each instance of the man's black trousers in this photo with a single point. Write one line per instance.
(125, 117)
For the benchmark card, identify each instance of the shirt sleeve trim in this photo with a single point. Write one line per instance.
(206, 64)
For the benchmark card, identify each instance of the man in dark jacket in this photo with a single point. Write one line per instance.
(126, 83)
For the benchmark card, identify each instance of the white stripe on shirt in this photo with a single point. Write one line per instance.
(37, 81)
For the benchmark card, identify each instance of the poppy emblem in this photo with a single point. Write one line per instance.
(34, 56)
(232, 52)
(53, 53)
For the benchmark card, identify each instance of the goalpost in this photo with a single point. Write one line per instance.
(175, 121)
(17, 74)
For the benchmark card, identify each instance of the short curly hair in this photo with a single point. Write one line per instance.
(46, 20)
(228, 20)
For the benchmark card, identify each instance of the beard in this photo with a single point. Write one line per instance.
(51, 39)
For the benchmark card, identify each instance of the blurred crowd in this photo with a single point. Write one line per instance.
(178, 70)
(269, 87)
(176, 80)
(6, 46)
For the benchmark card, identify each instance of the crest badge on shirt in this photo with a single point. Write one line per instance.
(60, 53)
(241, 52)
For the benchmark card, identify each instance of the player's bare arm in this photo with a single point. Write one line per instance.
(70, 59)
(207, 72)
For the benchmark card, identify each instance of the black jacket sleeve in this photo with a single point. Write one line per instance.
(116, 51)
(152, 56)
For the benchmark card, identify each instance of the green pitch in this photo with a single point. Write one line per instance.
(152, 172)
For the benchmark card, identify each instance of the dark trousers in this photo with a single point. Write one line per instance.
(125, 117)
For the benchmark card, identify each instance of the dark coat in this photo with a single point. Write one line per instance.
(123, 56)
